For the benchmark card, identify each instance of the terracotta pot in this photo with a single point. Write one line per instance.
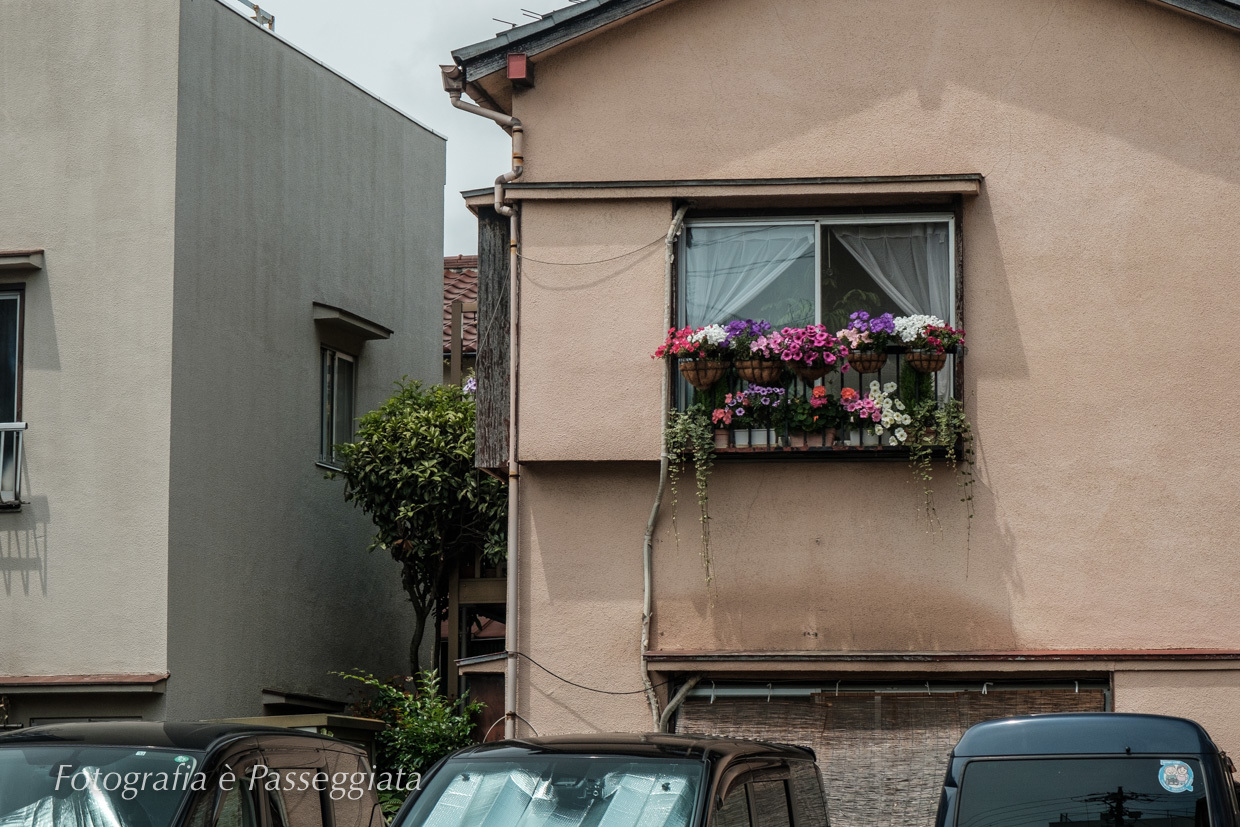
(810, 374)
(760, 371)
(828, 437)
(796, 439)
(702, 373)
(721, 438)
(867, 362)
(925, 361)
(813, 439)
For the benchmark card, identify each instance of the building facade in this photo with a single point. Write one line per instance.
(220, 252)
(1059, 178)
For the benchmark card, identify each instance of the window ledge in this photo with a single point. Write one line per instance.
(20, 261)
(338, 319)
(845, 453)
(327, 466)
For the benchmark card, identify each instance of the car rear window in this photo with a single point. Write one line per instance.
(1136, 791)
(562, 790)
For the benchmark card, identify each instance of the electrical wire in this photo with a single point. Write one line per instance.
(523, 257)
(579, 686)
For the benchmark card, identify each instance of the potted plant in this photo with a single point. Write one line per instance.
(701, 354)
(690, 438)
(812, 352)
(736, 414)
(944, 424)
(866, 338)
(878, 413)
(828, 418)
(799, 416)
(765, 404)
(928, 339)
(751, 346)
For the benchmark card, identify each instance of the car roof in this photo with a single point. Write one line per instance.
(641, 745)
(154, 734)
(1084, 733)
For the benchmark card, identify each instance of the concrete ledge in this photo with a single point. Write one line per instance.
(152, 682)
(21, 261)
(339, 319)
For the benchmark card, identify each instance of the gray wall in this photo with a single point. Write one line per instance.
(292, 186)
(87, 143)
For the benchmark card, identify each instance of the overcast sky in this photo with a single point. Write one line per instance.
(393, 48)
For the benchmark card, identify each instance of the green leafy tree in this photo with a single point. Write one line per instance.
(411, 470)
(422, 726)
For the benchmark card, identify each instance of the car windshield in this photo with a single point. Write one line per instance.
(90, 786)
(563, 790)
(1091, 792)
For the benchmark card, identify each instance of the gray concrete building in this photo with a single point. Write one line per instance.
(215, 253)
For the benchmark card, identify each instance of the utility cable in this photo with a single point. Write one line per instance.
(579, 686)
(523, 257)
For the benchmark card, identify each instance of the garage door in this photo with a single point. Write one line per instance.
(882, 755)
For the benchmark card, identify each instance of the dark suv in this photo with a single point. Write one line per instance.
(182, 775)
(1094, 769)
(621, 781)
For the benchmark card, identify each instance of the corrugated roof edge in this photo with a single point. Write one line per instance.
(559, 26)
(340, 75)
(1224, 12)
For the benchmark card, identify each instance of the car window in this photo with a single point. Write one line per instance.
(353, 799)
(568, 790)
(769, 803)
(735, 810)
(809, 806)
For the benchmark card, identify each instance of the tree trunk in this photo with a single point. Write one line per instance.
(417, 596)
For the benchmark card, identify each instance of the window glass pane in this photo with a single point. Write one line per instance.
(749, 272)
(902, 269)
(808, 803)
(326, 393)
(734, 812)
(1093, 791)
(770, 804)
(542, 790)
(10, 306)
(342, 413)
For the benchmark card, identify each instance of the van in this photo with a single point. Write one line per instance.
(1089, 769)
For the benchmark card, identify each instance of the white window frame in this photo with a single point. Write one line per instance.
(818, 222)
(328, 411)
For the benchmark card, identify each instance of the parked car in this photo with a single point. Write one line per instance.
(1102, 769)
(137, 774)
(621, 781)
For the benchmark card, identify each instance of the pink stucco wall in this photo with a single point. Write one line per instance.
(1098, 296)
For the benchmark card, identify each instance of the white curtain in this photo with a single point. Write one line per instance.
(908, 261)
(726, 268)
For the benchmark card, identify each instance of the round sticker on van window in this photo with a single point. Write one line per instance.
(1175, 776)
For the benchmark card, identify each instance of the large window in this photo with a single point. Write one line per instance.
(793, 272)
(337, 385)
(10, 395)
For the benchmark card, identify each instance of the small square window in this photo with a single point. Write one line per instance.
(338, 373)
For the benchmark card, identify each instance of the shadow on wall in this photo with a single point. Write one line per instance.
(23, 547)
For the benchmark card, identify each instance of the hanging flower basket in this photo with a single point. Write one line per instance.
(811, 373)
(926, 361)
(867, 362)
(760, 371)
(703, 373)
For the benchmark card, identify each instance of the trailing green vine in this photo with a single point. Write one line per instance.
(690, 437)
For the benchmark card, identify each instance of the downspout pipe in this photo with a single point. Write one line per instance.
(454, 85)
(669, 259)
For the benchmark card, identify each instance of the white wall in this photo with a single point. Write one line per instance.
(87, 143)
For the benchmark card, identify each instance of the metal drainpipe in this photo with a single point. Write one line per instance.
(648, 546)
(454, 85)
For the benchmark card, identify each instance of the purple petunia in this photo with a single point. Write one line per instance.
(471, 385)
